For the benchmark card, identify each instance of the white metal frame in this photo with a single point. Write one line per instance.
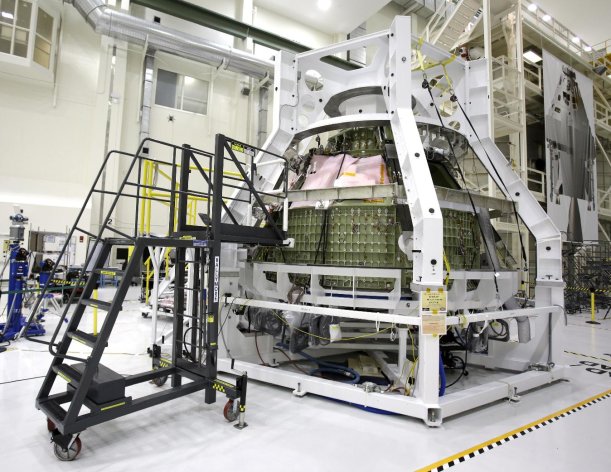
(300, 112)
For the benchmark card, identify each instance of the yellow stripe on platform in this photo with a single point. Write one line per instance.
(462, 456)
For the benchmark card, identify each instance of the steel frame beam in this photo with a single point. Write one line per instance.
(300, 111)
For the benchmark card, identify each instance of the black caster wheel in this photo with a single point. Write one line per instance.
(50, 425)
(145, 315)
(68, 454)
(229, 412)
(159, 381)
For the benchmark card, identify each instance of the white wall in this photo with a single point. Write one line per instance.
(46, 160)
(226, 7)
(52, 139)
(290, 29)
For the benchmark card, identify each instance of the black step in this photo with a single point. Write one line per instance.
(96, 303)
(70, 375)
(84, 338)
(120, 241)
(266, 236)
(110, 272)
(52, 406)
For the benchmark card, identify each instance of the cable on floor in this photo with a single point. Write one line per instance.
(22, 380)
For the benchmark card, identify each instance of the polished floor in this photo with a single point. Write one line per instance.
(287, 433)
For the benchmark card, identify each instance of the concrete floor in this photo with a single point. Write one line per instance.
(287, 433)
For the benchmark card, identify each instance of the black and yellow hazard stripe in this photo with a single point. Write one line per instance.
(571, 288)
(70, 283)
(589, 357)
(467, 454)
(222, 386)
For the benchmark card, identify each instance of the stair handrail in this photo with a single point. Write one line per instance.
(440, 16)
(135, 157)
(45, 288)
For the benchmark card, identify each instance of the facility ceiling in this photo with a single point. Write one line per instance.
(588, 19)
(342, 16)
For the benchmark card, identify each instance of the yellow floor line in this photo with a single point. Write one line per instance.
(462, 456)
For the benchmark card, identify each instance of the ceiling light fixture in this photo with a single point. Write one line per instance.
(324, 5)
(546, 18)
(532, 7)
(532, 56)
(8, 15)
(576, 39)
(587, 48)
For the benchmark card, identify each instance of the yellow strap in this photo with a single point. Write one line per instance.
(420, 57)
(446, 262)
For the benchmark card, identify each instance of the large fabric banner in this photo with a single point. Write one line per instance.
(570, 154)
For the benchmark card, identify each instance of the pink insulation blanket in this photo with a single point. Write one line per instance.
(325, 172)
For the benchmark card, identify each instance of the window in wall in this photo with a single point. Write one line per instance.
(181, 92)
(44, 39)
(15, 18)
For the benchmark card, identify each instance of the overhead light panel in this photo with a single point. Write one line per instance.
(587, 48)
(532, 56)
(532, 7)
(576, 39)
(8, 15)
(324, 5)
(547, 18)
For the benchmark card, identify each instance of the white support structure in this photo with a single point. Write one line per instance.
(312, 97)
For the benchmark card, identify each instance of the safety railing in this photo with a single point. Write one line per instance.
(438, 20)
(536, 180)
(587, 274)
(507, 103)
(601, 55)
(547, 26)
(604, 200)
(533, 73)
(260, 225)
(603, 114)
(191, 174)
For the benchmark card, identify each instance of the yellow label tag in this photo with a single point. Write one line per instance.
(108, 272)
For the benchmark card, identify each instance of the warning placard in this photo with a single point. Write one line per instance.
(434, 324)
(434, 301)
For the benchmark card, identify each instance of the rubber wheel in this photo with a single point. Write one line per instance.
(69, 454)
(50, 425)
(229, 412)
(159, 381)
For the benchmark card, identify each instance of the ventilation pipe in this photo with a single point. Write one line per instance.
(124, 27)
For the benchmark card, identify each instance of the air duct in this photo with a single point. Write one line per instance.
(121, 26)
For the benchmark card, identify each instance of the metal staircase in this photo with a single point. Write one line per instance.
(453, 23)
(193, 364)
